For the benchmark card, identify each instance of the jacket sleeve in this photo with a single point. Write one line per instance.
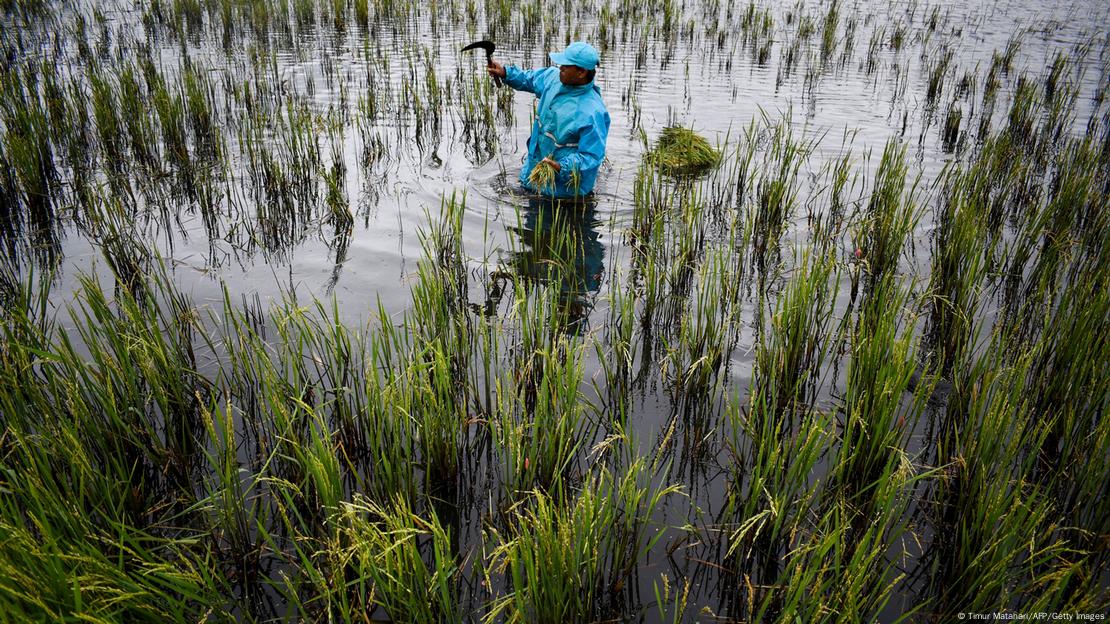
(591, 147)
(530, 80)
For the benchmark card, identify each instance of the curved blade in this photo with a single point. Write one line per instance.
(488, 46)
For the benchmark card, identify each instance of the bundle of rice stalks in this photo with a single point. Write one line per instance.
(542, 177)
(681, 151)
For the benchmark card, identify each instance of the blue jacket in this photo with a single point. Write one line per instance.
(571, 126)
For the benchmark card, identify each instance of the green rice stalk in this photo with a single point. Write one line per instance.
(565, 557)
(890, 216)
(881, 373)
(409, 559)
(958, 269)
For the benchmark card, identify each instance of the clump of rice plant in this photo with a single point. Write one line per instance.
(890, 216)
(565, 555)
(951, 137)
(542, 177)
(407, 557)
(575, 180)
(681, 151)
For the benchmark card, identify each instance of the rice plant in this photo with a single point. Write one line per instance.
(881, 373)
(794, 339)
(542, 176)
(776, 191)
(399, 561)
(888, 220)
(564, 559)
(959, 267)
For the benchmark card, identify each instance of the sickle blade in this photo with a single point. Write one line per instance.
(489, 47)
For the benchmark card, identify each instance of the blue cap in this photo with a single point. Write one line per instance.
(579, 53)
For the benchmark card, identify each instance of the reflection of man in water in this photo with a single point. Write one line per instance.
(560, 245)
(571, 123)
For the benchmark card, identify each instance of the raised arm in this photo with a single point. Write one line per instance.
(530, 80)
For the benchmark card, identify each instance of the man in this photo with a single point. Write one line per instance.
(571, 123)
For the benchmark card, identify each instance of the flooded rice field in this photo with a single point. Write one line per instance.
(285, 339)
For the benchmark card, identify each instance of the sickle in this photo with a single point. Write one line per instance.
(489, 47)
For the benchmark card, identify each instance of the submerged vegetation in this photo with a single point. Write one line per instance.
(813, 382)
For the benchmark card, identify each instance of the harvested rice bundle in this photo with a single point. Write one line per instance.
(681, 151)
(542, 177)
